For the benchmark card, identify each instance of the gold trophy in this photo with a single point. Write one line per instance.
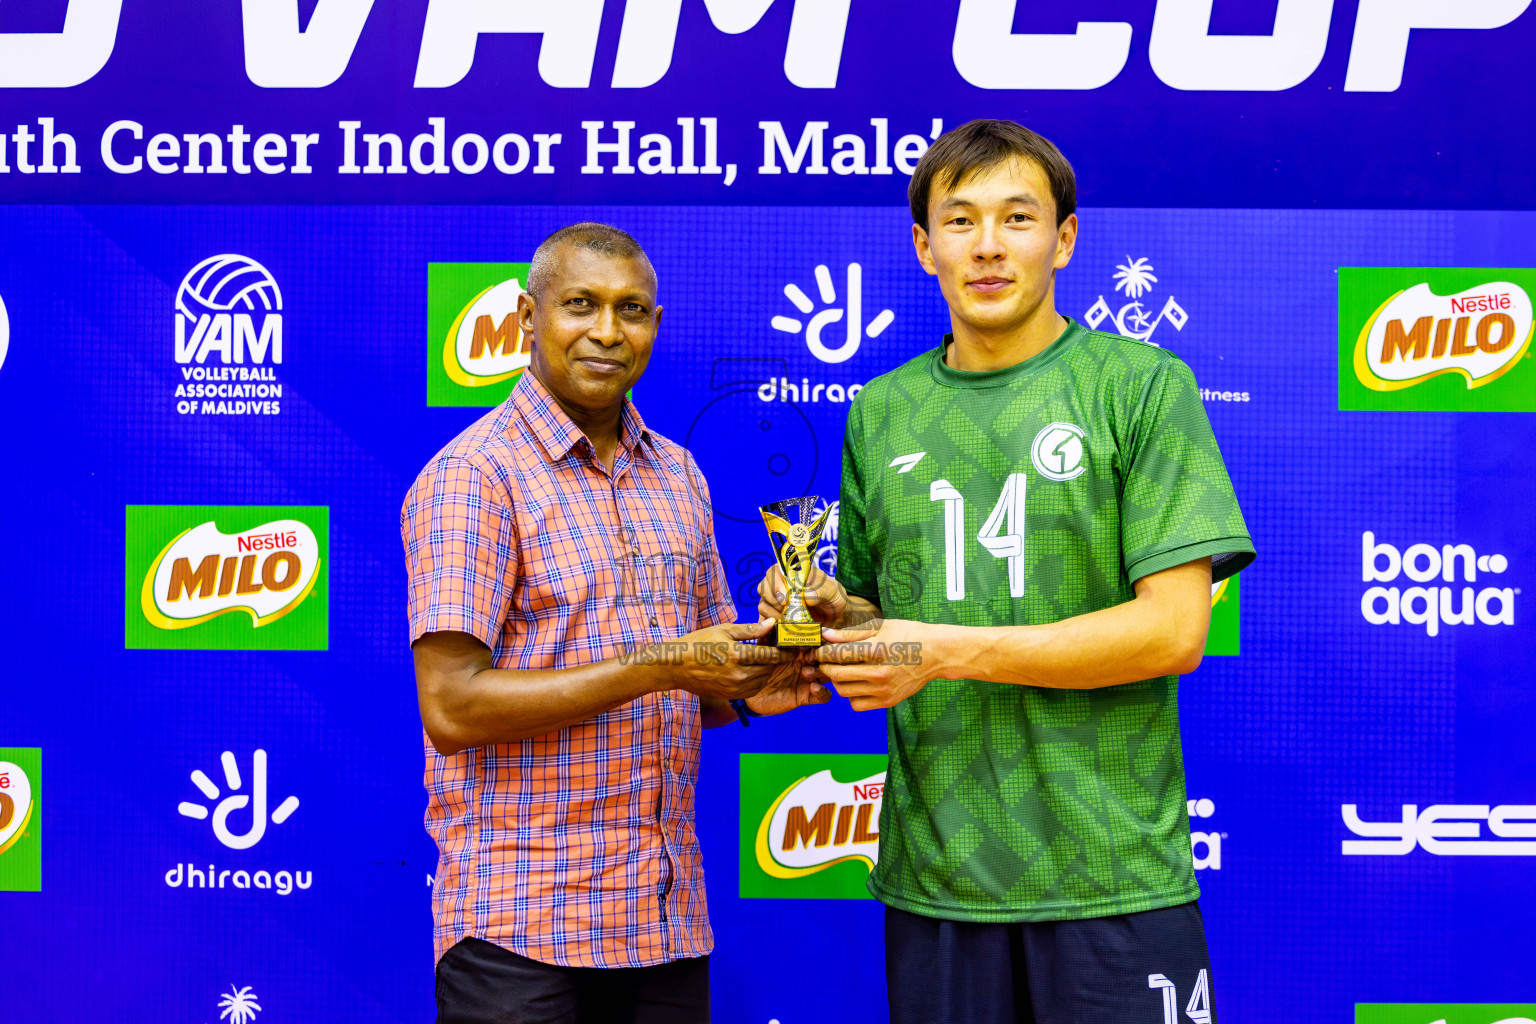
(794, 546)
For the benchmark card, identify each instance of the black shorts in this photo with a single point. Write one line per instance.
(1152, 967)
(481, 983)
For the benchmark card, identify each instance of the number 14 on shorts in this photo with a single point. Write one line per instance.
(1198, 1009)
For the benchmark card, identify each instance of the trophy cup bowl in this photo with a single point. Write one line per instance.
(794, 534)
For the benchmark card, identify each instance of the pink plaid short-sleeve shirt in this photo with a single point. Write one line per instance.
(578, 847)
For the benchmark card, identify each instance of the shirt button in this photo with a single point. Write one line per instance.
(654, 622)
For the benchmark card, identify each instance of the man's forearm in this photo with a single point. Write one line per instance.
(508, 705)
(1161, 632)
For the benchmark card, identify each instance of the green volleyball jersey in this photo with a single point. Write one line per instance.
(1028, 495)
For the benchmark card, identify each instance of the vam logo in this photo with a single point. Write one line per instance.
(229, 309)
(1446, 830)
(1435, 339)
(20, 820)
(1432, 606)
(227, 577)
(475, 350)
(246, 795)
(1134, 279)
(805, 831)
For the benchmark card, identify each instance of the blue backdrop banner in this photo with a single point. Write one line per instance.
(255, 267)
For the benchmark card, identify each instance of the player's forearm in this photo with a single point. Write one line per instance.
(508, 705)
(1141, 639)
(857, 612)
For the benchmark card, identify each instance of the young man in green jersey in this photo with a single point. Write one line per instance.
(1042, 508)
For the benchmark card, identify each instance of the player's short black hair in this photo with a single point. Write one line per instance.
(981, 145)
(599, 238)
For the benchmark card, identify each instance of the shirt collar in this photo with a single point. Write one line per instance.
(555, 431)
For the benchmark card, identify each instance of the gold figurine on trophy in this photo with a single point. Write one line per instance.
(794, 545)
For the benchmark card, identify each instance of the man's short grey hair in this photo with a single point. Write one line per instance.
(604, 239)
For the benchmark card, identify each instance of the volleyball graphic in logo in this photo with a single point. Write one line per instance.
(230, 307)
(227, 283)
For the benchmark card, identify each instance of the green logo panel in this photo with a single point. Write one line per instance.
(21, 821)
(1445, 1013)
(809, 824)
(1225, 635)
(1447, 339)
(473, 301)
(227, 577)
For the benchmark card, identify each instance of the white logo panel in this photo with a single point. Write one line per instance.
(1058, 452)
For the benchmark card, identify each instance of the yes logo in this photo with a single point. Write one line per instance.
(850, 313)
(810, 824)
(227, 578)
(475, 351)
(20, 821)
(1446, 830)
(1436, 339)
(255, 799)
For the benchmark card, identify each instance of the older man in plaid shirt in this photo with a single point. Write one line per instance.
(548, 547)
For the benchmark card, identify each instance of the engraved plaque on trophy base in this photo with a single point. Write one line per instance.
(793, 634)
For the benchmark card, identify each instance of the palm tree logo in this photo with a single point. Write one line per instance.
(239, 1005)
(1135, 278)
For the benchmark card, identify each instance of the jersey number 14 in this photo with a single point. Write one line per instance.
(1002, 534)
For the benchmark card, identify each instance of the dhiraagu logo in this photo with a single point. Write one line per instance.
(227, 577)
(1225, 634)
(810, 824)
(21, 845)
(1437, 339)
(475, 352)
(1445, 1013)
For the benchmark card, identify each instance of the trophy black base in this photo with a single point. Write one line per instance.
(794, 634)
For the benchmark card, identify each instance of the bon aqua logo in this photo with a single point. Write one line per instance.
(1427, 339)
(475, 351)
(227, 577)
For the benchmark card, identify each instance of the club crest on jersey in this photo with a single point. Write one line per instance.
(1058, 452)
